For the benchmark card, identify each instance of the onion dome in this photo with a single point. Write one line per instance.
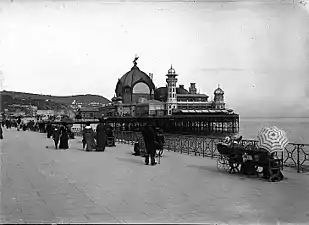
(171, 70)
(219, 91)
(134, 76)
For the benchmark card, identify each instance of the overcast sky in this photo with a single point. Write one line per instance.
(257, 52)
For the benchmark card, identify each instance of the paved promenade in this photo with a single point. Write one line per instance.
(40, 184)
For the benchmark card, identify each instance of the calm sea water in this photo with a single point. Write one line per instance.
(297, 129)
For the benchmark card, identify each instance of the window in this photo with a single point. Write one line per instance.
(91, 114)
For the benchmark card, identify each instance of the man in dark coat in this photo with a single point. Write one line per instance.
(1, 133)
(101, 135)
(49, 129)
(149, 136)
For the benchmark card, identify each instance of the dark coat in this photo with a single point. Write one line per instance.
(64, 138)
(150, 139)
(1, 133)
(56, 134)
(101, 136)
(89, 138)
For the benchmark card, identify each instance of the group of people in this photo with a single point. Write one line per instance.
(96, 140)
(60, 135)
(229, 141)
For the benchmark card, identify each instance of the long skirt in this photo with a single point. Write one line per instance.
(64, 142)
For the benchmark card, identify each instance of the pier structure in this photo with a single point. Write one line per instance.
(176, 124)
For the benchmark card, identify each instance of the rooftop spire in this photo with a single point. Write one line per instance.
(135, 59)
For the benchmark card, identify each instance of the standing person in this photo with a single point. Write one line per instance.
(49, 129)
(149, 136)
(1, 133)
(88, 137)
(7, 124)
(101, 135)
(64, 137)
(161, 141)
(56, 136)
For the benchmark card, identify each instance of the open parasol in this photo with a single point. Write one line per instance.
(272, 139)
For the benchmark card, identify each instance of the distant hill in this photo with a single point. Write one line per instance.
(47, 101)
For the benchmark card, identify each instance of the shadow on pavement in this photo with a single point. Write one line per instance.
(240, 176)
(133, 160)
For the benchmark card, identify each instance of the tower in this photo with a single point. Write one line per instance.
(219, 98)
(192, 88)
(171, 81)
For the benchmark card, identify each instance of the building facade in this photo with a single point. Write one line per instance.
(166, 100)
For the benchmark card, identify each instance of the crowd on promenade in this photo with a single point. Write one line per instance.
(91, 140)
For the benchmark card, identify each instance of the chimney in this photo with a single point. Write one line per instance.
(192, 88)
(181, 86)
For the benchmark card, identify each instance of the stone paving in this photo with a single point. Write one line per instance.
(41, 184)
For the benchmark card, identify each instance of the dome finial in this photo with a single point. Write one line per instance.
(135, 59)
(171, 70)
(218, 85)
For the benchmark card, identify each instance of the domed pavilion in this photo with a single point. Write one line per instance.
(134, 86)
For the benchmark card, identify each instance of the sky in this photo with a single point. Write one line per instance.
(258, 51)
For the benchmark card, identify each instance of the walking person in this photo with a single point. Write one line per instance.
(150, 138)
(56, 136)
(64, 137)
(1, 133)
(49, 129)
(161, 141)
(101, 135)
(89, 137)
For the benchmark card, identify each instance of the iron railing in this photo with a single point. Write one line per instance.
(294, 155)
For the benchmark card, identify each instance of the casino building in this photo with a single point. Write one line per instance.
(136, 95)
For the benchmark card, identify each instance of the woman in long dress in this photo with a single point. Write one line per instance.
(101, 136)
(64, 138)
(89, 137)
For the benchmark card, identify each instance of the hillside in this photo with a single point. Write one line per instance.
(47, 101)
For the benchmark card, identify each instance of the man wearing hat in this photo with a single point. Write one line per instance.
(149, 136)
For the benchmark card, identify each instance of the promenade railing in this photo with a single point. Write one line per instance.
(294, 155)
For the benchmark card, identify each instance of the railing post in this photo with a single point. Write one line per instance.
(282, 158)
(298, 164)
(195, 147)
(211, 148)
(203, 147)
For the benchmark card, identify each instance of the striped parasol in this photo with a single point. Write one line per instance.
(272, 139)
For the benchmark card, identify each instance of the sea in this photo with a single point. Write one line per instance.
(297, 129)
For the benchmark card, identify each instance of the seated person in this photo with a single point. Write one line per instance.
(227, 141)
(238, 140)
